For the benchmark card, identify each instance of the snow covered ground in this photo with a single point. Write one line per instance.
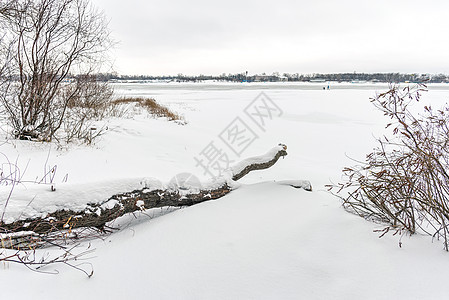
(264, 240)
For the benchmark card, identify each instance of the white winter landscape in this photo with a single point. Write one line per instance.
(264, 240)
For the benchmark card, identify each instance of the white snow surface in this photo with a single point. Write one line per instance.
(264, 240)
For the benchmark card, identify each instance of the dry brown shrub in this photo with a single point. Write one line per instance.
(405, 180)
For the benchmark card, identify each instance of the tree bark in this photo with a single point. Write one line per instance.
(97, 215)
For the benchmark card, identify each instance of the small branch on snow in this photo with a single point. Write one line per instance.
(297, 184)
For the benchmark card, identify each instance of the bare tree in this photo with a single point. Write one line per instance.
(49, 41)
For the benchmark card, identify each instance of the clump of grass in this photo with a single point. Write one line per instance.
(154, 108)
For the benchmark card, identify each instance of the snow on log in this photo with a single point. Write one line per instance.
(258, 162)
(40, 227)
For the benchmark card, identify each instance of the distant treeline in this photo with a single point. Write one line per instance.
(276, 77)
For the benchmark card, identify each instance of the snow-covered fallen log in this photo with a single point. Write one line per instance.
(45, 225)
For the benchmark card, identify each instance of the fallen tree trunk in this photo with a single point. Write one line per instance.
(37, 231)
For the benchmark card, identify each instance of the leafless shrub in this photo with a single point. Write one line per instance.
(22, 247)
(91, 104)
(11, 175)
(93, 95)
(405, 180)
(41, 261)
(152, 107)
(8, 8)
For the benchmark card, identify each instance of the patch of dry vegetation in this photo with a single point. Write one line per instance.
(154, 108)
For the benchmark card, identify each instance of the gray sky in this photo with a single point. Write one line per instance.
(167, 37)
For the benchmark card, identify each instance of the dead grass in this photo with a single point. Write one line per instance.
(152, 107)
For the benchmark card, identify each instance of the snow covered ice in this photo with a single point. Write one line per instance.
(265, 240)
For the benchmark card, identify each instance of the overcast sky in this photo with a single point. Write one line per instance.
(167, 37)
